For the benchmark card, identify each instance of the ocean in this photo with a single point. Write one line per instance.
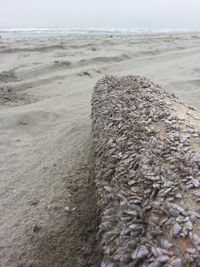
(34, 33)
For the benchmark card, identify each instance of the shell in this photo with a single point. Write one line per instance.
(144, 170)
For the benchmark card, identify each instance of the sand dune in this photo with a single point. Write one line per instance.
(48, 215)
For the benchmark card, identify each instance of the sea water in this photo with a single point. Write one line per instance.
(32, 33)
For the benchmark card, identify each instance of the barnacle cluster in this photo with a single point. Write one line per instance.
(147, 174)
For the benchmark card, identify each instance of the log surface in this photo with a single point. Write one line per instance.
(147, 173)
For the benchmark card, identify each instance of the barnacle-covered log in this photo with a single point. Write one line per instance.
(147, 171)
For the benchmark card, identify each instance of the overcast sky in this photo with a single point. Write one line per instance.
(100, 13)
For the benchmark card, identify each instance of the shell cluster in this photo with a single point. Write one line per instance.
(147, 175)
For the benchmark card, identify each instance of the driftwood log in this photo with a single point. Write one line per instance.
(147, 172)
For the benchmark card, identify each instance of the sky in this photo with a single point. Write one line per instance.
(174, 14)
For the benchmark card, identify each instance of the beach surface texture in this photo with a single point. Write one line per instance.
(48, 210)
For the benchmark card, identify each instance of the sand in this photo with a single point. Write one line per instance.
(48, 212)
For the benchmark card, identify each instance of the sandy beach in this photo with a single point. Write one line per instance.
(48, 212)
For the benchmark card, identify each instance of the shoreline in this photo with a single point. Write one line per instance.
(26, 35)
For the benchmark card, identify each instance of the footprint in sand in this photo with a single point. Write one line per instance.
(8, 76)
(84, 73)
(62, 64)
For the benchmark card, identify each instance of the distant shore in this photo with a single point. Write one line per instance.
(32, 33)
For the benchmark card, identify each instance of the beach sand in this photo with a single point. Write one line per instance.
(48, 212)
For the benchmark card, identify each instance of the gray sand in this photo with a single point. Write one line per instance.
(48, 213)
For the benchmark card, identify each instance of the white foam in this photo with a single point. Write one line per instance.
(15, 33)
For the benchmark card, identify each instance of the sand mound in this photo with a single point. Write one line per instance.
(147, 163)
(41, 49)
